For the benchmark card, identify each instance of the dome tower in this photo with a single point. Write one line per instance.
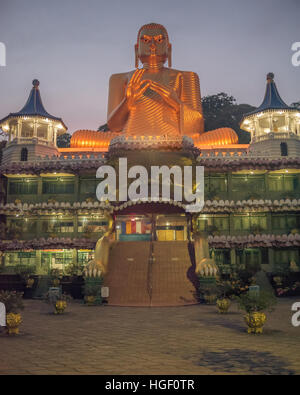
(32, 131)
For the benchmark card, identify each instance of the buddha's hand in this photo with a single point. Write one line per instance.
(136, 87)
(168, 94)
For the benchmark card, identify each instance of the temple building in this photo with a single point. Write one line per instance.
(51, 217)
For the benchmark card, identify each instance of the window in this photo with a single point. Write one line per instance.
(217, 223)
(282, 256)
(57, 226)
(255, 223)
(86, 226)
(276, 183)
(24, 154)
(278, 222)
(217, 183)
(284, 182)
(88, 186)
(58, 186)
(251, 184)
(284, 149)
(23, 187)
(42, 132)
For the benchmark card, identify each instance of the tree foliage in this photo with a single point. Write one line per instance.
(221, 110)
(296, 105)
(63, 141)
(103, 128)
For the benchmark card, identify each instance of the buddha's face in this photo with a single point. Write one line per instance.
(153, 45)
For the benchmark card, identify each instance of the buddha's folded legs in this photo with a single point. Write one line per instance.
(221, 136)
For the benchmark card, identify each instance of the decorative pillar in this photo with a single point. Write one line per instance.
(75, 222)
(271, 258)
(55, 136)
(287, 123)
(271, 123)
(76, 188)
(49, 133)
(38, 262)
(229, 186)
(35, 126)
(232, 257)
(75, 256)
(19, 128)
(40, 186)
(256, 131)
(231, 224)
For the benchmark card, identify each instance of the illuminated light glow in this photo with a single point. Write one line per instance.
(5, 127)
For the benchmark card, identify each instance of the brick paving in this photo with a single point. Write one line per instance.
(139, 340)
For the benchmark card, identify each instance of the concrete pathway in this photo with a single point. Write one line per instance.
(135, 340)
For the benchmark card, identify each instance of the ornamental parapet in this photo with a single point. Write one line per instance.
(133, 143)
(236, 162)
(50, 243)
(55, 208)
(71, 163)
(210, 206)
(252, 241)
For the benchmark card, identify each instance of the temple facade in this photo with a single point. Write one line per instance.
(51, 218)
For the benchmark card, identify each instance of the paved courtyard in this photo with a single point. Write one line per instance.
(122, 340)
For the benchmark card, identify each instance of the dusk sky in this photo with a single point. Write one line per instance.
(73, 46)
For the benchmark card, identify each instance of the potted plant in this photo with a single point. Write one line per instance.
(13, 304)
(254, 304)
(55, 277)
(58, 301)
(26, 273)
(225, 291)
(91, 292)
(92, 285)
(209, 293)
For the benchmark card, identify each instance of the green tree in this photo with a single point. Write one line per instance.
(221, 110)
(296, 105)
(103, 128)
(63, 141)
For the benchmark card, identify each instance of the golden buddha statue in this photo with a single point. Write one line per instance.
(155, 100)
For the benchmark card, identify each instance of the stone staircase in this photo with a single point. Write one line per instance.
(134, 280)
(127, 273)
(173, 275)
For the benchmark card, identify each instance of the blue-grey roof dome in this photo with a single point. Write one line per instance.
(272, 99)
(33, 106)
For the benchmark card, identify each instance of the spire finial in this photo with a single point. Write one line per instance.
(36, 83)
(270, 77)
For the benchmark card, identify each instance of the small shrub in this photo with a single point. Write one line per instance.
(256, 302)
(12, 300)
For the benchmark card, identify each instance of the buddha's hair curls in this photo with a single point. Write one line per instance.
(152, 26)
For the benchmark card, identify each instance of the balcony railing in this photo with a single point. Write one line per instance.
(273, 136)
